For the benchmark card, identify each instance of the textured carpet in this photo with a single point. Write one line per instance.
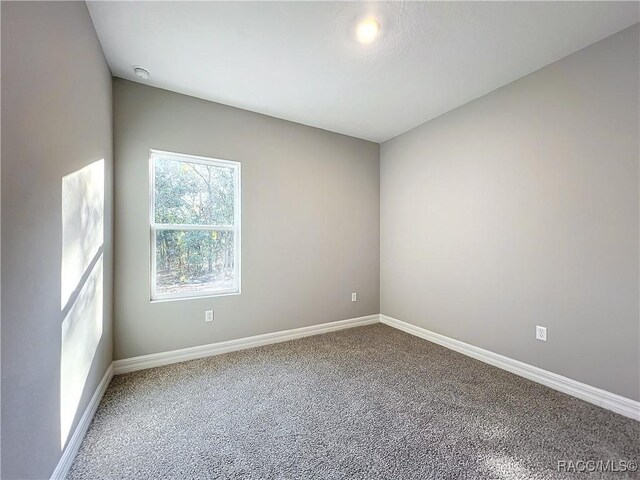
(366, 403)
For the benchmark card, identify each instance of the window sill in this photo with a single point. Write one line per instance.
(193, 297)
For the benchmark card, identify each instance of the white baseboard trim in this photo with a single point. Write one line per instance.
(610, 401)
(602, 398)
(69, 453)
(191, 353)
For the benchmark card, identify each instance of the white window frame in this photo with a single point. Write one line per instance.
(154, 227)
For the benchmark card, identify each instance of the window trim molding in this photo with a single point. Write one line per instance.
(236, 227)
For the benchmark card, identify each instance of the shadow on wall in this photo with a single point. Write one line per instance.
(81, 291)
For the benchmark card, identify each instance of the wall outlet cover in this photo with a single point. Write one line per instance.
(541, 333)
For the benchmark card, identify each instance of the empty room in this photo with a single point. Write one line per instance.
(320, 240)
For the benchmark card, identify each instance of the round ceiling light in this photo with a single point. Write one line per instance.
(367, 30)
(141, 73)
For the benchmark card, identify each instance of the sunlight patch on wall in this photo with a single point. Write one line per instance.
(81, 332)
(81, 291)
(82, 225)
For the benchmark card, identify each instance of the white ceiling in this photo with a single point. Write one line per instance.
(300, 60)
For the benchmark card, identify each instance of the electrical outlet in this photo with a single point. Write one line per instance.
(354, 297)
(208, 316)
(541, 333)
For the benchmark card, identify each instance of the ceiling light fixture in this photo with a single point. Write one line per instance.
(367, 30)
(141, 73)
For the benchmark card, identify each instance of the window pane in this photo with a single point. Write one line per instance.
(193, 193)
(194, 261)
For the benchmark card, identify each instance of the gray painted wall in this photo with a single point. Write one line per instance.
(56, 119)
(521, 209)
(310, 221)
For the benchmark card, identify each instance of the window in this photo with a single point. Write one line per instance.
(195, 226)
